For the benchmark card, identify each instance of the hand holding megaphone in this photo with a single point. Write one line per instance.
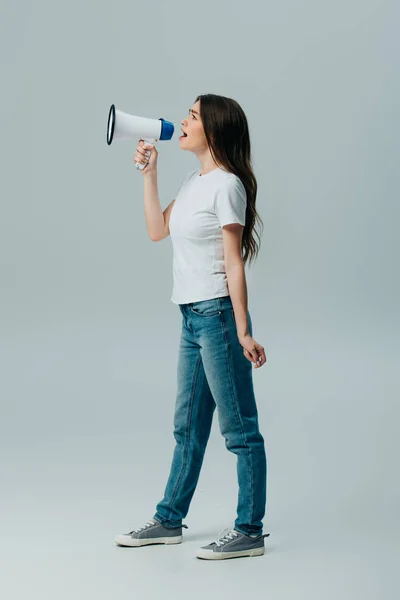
(146, 157)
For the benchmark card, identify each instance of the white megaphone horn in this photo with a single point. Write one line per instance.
(123, 126)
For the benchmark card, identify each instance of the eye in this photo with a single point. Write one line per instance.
(193, 116)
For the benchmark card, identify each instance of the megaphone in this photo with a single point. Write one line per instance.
(123, 126)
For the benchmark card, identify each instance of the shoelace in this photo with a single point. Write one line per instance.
(224, 538)
(149, 523)
(230, 535)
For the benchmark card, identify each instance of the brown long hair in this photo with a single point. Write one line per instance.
(227, 133)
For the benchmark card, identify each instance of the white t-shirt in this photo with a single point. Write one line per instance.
(203, 205)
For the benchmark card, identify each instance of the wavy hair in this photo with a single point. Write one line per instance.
(227, 134)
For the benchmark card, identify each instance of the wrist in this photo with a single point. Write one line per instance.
(243, 334)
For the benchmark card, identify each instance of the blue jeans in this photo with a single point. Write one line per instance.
(213, 372)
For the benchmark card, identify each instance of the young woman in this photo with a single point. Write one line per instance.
(211, 224)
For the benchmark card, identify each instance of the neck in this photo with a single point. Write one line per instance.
(207, 164)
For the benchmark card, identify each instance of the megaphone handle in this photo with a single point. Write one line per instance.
(149, 141)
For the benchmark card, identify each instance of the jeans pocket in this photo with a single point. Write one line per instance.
(205, 308)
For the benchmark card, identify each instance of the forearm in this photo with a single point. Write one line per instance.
(238, 292)
(152, 207)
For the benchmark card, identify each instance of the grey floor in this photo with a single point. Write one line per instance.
(86, 448)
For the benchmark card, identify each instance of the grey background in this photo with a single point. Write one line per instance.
(89, 337)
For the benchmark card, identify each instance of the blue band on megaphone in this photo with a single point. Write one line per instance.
(167, 129)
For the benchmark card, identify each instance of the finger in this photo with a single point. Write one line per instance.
(139, 158)
(144, 155)
(260, 360)
(144, 148)
(250, 356)
(247, 354)
(260, 352)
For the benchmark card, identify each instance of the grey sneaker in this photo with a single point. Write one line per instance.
(233, 544)
(152, 532)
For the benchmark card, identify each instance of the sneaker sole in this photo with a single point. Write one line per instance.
(211, 555)
(126, 540)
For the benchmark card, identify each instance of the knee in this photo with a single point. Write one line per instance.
(237, 441)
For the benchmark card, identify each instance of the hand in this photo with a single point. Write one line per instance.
(146, 154)
(252, 350)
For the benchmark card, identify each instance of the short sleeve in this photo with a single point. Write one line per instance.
(230, 202)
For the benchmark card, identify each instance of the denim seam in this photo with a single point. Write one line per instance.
(238, 414)
(175, 492)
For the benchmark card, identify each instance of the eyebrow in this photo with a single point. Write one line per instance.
(194, 111)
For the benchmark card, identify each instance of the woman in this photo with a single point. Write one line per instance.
(211, 224)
